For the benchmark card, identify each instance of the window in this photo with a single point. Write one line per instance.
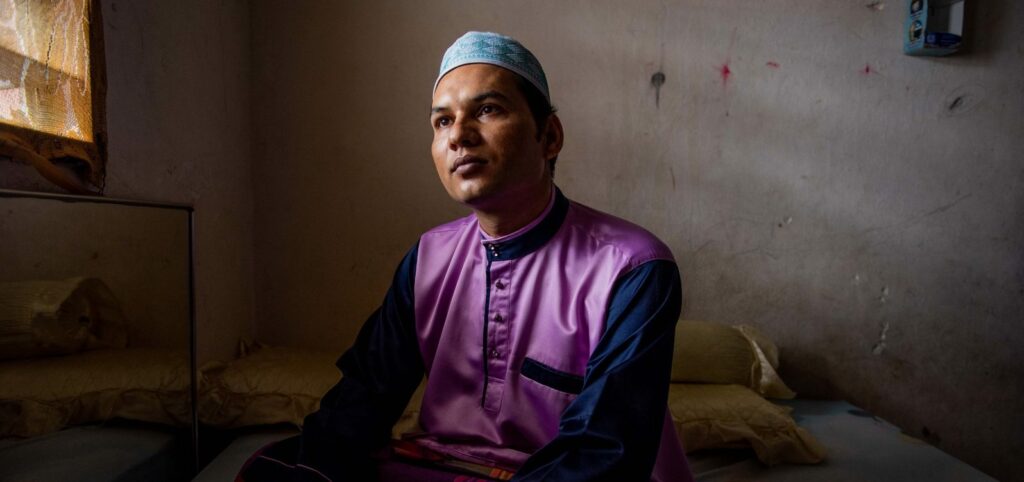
(52, 90)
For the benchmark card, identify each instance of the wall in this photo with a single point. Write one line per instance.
(178, 123)
(862, 207)
(179, 126)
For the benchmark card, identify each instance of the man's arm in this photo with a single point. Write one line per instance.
(611, 431)
(381, 371)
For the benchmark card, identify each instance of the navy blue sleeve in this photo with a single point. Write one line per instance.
(611, 431)
(381, 370)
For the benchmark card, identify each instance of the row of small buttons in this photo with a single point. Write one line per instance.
(493, 353)
(494, 250)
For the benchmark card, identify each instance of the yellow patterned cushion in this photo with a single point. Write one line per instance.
(725, 416)
(42, 395)
(710, 352)
(58, 317)
(268, 385)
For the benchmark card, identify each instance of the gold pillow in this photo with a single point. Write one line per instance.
(43, 395)
(58, 317)
(267, 385)
(728, 416)
(710, 352)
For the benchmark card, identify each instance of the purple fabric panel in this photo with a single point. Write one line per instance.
(549, 305)
(451, 272)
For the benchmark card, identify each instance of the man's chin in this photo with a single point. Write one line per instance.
(469, 192)
(473, 198)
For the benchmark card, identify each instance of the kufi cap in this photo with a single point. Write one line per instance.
(494, 49)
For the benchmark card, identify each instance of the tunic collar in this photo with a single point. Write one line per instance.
(531, 237)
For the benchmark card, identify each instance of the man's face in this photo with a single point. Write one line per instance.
(486, 148)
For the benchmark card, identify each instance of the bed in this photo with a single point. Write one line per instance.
(116, 451)
(100, 412)
(738, 419)
(119, 414)
(96, 322)
(860, 448)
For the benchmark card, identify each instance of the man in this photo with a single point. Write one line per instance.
(545, 328)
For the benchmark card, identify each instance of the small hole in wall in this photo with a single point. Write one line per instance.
(658, 79)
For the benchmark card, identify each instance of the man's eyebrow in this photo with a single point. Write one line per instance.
(490, 94)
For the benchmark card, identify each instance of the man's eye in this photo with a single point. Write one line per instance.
(442, 122)
(488, 109)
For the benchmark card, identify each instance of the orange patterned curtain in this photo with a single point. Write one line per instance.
(51, 90)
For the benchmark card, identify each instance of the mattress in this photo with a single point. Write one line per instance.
(860, 447)
(97, 453)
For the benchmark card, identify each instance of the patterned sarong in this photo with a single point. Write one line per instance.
(403, 461)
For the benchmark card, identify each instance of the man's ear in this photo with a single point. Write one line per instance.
(553, 137)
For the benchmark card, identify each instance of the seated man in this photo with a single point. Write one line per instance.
(544, 327)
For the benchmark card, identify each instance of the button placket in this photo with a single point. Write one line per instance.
(500, 304)
(496, 348)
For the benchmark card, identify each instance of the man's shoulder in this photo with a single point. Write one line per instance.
(608, 231)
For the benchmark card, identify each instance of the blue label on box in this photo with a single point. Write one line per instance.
(942, 39)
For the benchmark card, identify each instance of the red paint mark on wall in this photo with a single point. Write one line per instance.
(867, 69)
(724, 69)
(772, 64)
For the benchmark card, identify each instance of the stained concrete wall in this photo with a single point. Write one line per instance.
(862, 207)
(178, 123)
(179, 126)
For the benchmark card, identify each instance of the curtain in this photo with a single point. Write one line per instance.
(51, 90)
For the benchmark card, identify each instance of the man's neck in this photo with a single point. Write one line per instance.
(513, 215)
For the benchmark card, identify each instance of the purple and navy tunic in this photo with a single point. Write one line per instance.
(547, 352)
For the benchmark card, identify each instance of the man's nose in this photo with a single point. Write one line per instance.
(463, 133)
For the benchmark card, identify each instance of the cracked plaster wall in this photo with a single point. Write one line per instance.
(864, 208)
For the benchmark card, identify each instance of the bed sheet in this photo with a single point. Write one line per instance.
(860, 447)
(96, 453)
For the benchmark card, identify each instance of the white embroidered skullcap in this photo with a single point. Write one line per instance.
(494, 49)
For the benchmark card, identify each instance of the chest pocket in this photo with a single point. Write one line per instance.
(551, 378)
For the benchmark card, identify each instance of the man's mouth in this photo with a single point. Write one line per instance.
(465, 163)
